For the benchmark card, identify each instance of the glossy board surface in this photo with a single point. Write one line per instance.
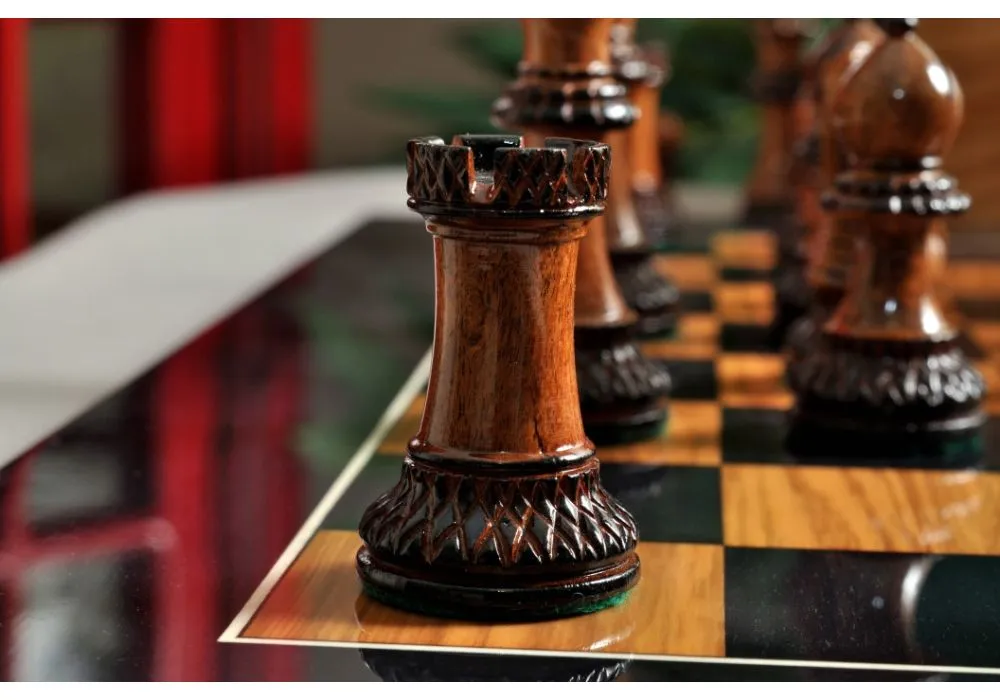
(136, 535)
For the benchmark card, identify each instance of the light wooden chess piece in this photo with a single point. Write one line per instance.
(499, 511)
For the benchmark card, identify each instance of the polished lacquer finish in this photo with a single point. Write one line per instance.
(500, 510)
(889, 361)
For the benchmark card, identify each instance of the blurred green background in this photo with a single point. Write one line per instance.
(712, 61)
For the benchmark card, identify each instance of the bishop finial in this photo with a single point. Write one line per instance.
(902, 105)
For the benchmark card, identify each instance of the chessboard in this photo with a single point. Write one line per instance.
(756, 562)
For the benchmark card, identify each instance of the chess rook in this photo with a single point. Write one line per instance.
(565, 89)
(500, 511)
(889, 362)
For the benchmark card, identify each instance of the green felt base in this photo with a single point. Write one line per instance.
(432, 608)
(503, 597)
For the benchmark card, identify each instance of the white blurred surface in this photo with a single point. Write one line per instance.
(122, 288)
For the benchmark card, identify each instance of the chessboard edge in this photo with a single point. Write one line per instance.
(410, 389)
(656, 658)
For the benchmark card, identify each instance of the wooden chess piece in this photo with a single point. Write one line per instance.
(650, 293)
(500, 512)
(769, 198)
(565, 89)
(829, 240)
(792, 292)
(645, 69)
(889, 364)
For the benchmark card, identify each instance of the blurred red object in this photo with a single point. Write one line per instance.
(199, 101)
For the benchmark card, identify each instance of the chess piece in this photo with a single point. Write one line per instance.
(646, 67)
(500, 511)
(630, 239)
(769, 198)
(889, 364)
(828, 241)
(565, 90)
(792, 292)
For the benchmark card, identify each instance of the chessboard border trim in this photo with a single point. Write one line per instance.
(670, 658)
(409, 391)
(393, 413)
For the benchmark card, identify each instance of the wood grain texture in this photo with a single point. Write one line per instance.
(754, 250)
(688, 272)
(752, 381)
(973, 279)
(745, 302)
(679, 610)
(696, 338)
(869, 510)
(692, 438)
(503, 328)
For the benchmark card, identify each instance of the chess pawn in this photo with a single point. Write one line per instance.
(792, 292)
(889, 363)
(828, 241)
(630, 240)
(646, 68)
(565, 89)
(769, 198)
(500, 511)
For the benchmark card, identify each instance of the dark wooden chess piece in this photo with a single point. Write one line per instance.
(500, 512)
(769, 197)
(828, 241)
(792, 292)
(646, 68)
(565, 89)
(889, 364)
(653, 296)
